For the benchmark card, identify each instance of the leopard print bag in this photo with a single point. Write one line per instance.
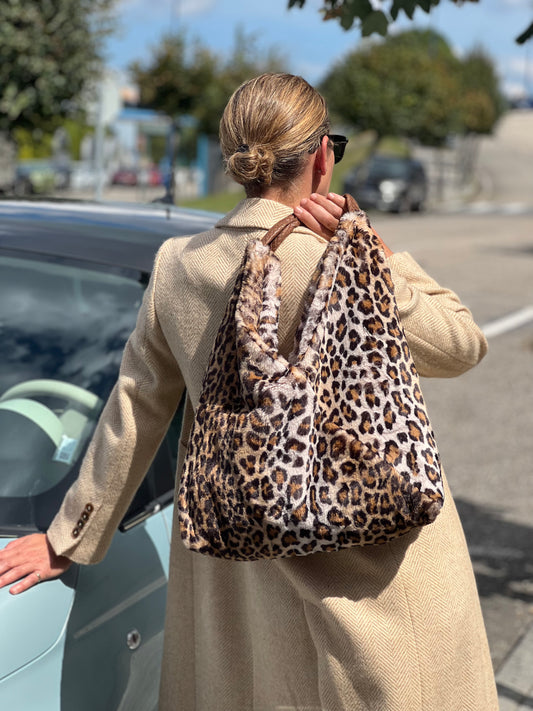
(329, 448)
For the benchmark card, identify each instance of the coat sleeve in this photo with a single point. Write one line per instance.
(130, 430)
(442, 335)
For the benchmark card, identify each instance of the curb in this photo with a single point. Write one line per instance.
(515, 676)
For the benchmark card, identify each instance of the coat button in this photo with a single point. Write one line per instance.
(80, 524)
(84, 516)
(89, 508)
(76, 532)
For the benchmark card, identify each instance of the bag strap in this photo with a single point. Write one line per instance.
(277, 233)
(350, 203)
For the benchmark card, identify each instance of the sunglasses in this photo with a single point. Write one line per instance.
(339, 145)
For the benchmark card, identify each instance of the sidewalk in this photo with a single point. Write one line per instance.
(515, 676)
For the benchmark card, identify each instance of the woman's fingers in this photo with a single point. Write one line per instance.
(30, 560)
(311, 222)
(321, 214)
(337, 199)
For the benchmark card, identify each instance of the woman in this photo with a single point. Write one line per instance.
(395, 627)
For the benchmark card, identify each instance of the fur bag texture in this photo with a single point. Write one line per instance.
(329, 448)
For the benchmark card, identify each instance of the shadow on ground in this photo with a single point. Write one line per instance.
(501, 552)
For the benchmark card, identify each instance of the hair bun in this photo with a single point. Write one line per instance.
(268, 129)
(253, 164)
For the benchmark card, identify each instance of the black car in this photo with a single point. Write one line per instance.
(388, 183)
(72, 276)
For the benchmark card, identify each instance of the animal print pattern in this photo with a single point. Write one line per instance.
(329, 448)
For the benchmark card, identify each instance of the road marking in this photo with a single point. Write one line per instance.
(508, 323)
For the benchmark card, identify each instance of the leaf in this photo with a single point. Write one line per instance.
(528, 34)
(299, 3)
(409, 7)
(346, 21)
(376, 22)
(395, 9)
(359, 8)
(426, 5)
(350, 10)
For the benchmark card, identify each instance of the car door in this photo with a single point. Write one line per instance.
(114, 636)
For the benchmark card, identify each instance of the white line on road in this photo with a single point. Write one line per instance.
(509, 323)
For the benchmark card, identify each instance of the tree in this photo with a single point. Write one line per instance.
(49, 50)
(481, 101)
(174, 80)
(408, 85)
(373, 20)
(184, 78)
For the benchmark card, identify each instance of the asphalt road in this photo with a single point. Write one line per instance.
(484, 419)
(505, 166)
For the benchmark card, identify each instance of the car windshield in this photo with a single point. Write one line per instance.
(388, 169)
(62, 331)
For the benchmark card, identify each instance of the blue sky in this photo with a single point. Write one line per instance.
(310, 45)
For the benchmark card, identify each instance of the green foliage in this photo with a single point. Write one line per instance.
(49, 49)
(174, 79)
(76, 130)
(403, 86)
(481, 100)
(360, 147)
(32, 145)
(526, 35)
(39, 144)
(184, 78)
(412, 85)
(362, 14)
(216, 202)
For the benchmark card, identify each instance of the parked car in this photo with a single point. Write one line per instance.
(124, 176)
(388, 183)
(131, 176)
(42, 176)
(72, 277)
(10, 181)
(83, 176)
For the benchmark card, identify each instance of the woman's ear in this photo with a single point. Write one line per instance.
(321, 157)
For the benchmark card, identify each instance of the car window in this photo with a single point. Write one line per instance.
(63, 328)
(388, 169)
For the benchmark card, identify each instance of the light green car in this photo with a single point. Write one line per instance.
(71, 281)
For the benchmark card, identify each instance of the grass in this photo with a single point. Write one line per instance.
(358, 149)
(217, 202)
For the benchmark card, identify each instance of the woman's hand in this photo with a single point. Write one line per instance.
(30, 560)
(322, 214)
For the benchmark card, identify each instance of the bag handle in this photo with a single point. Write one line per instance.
(277, 233)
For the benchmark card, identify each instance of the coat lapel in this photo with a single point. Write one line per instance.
(258, 214)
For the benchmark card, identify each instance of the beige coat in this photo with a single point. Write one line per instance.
(396, 627)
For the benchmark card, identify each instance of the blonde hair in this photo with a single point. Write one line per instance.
(268, 127)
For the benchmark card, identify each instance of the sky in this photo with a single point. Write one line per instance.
(312, 46)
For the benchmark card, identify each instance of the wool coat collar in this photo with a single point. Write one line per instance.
(258, 213)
